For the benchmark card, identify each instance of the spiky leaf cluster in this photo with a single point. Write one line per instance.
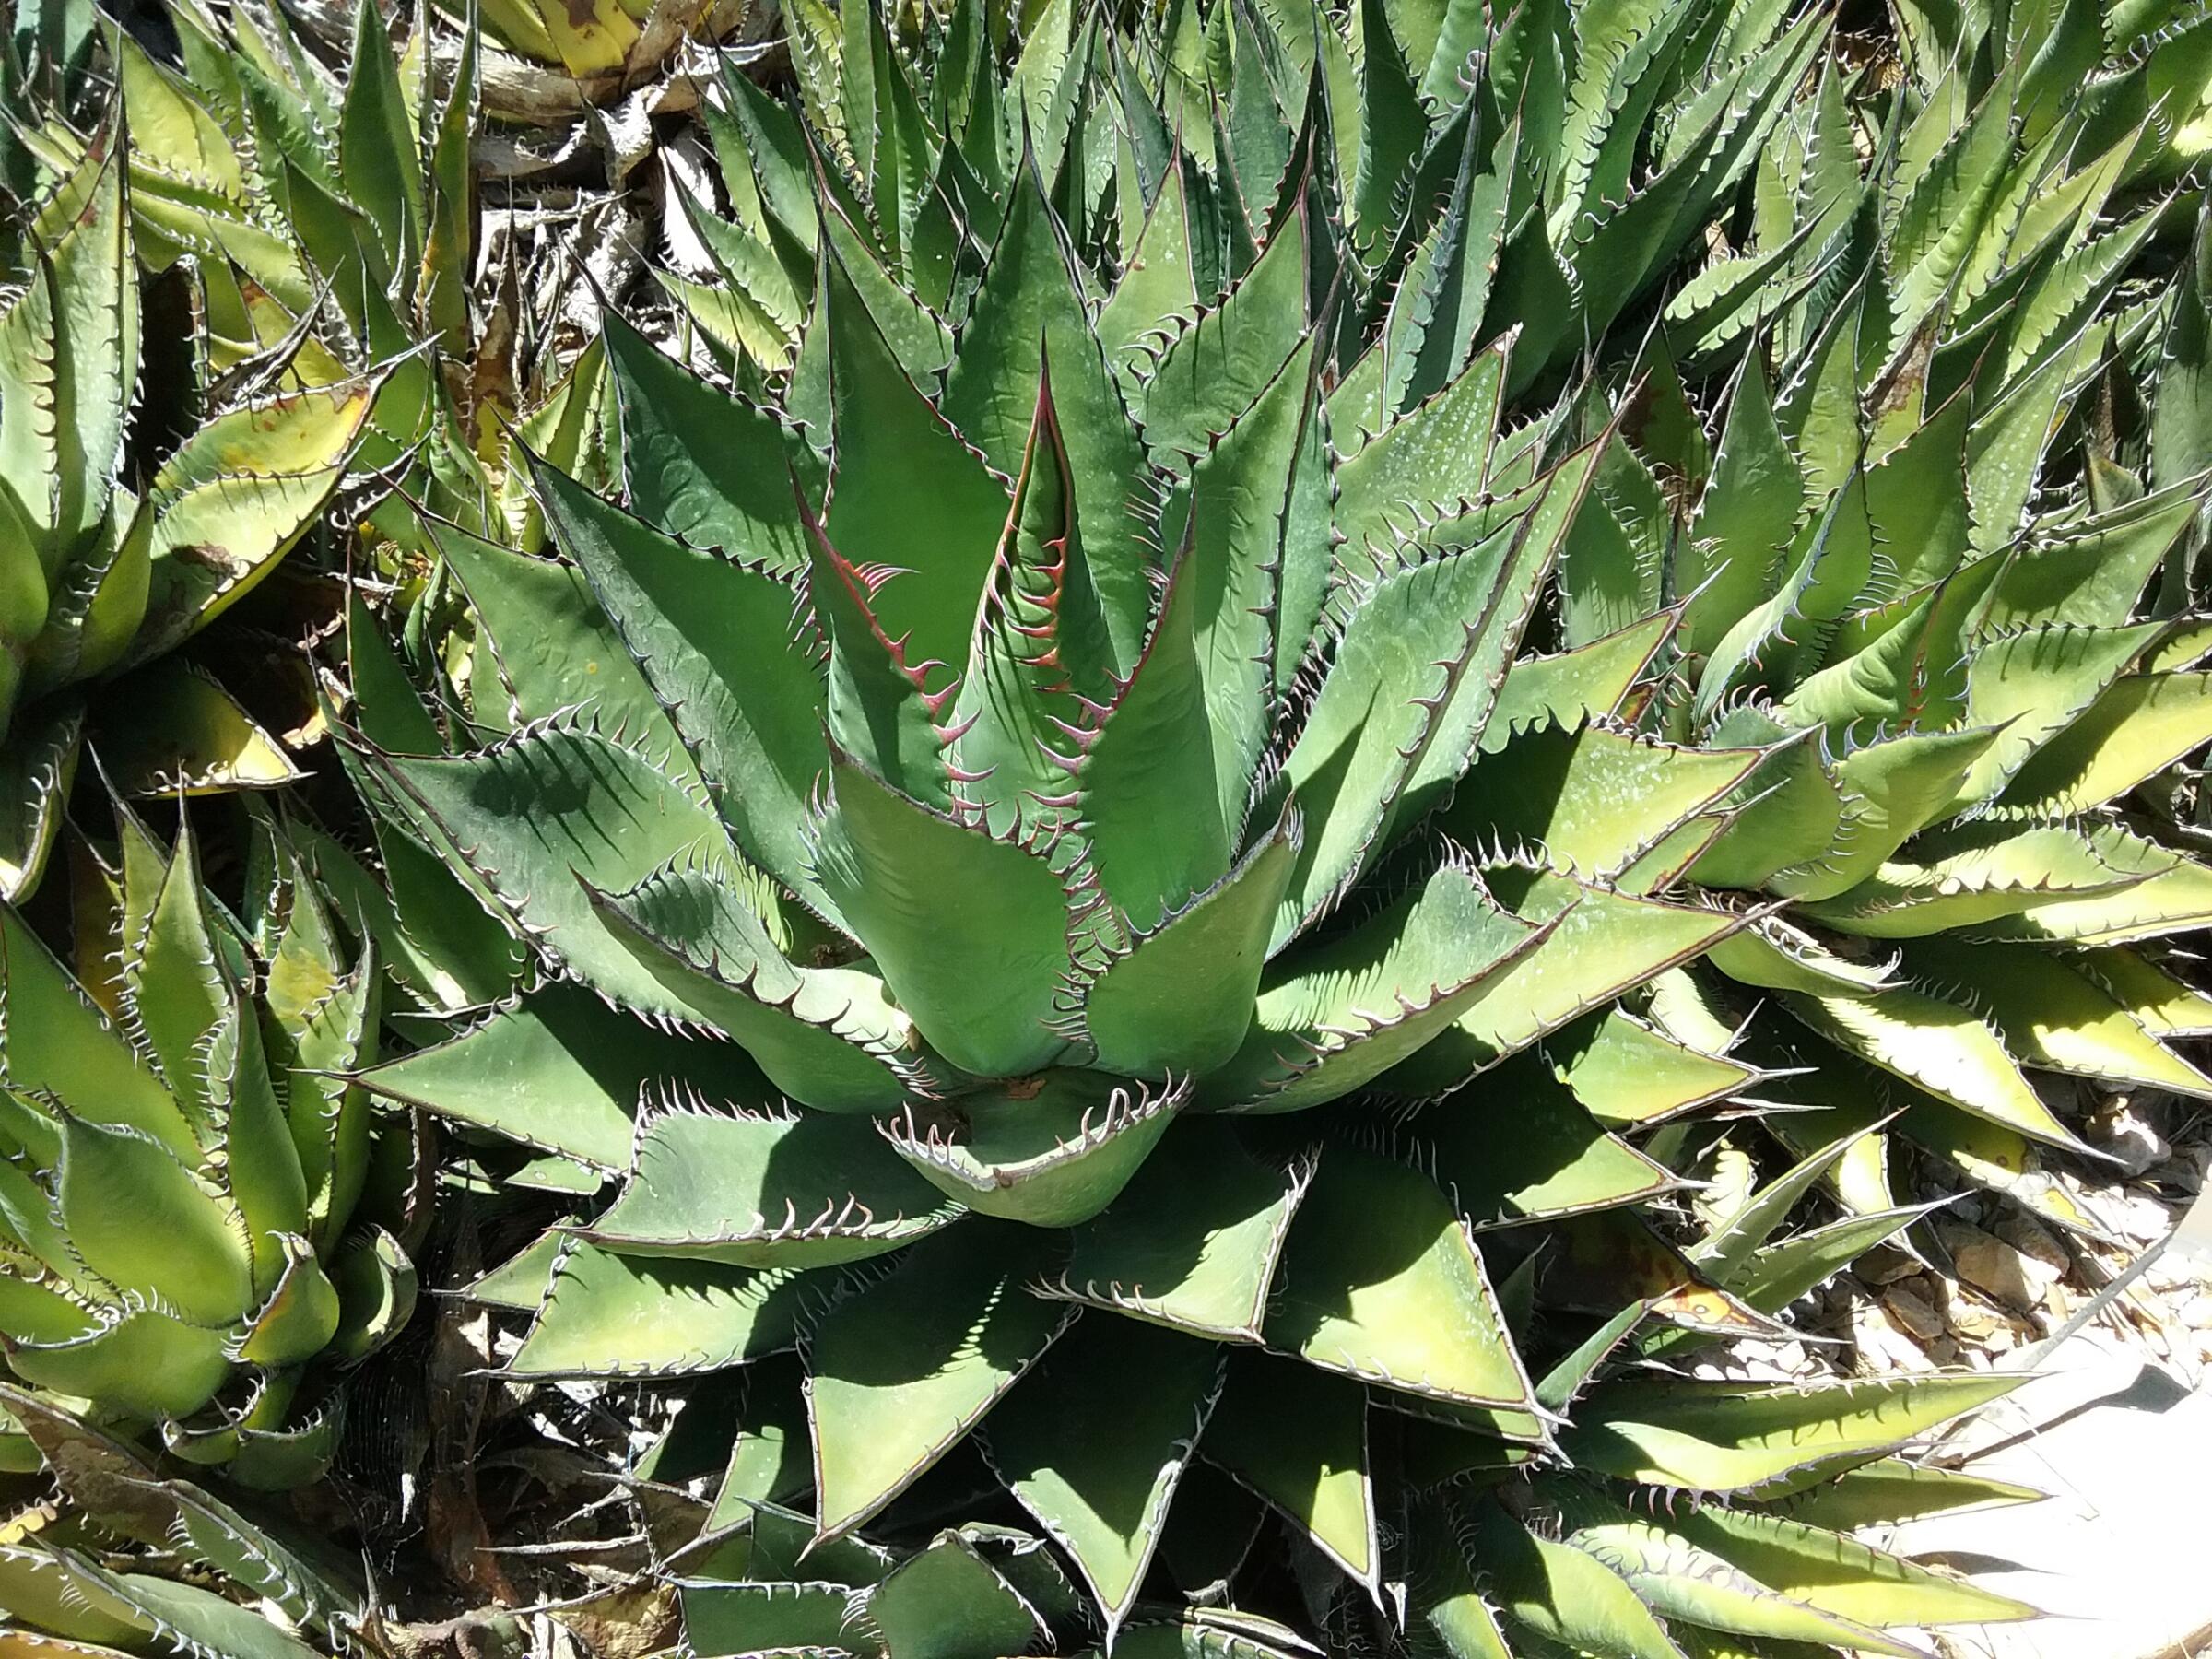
(183, 1247)
(1114, 858)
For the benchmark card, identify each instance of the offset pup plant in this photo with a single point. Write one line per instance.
(183, 1247)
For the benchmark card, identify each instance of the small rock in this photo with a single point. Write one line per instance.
(1911, 1309)
(1885, 1265)
(1999, 1267)
(2119, 1127)
(1944, 1351)
(1970, 1318)
(2031, 1238)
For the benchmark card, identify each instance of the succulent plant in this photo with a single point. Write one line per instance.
(106, 569)
(182, 1247)
(1134, 929)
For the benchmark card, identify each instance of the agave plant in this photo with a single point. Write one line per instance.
(181, 1246)
(1065, 819)
(107, 570)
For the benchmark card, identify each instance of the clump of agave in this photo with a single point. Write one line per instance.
(103, 571)
(1071, 787)
(184, 1245)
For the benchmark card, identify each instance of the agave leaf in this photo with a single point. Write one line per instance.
(1192, 1241)
(902, 1369)
(559, 1071)
(144, 1222)
(596, 812)
(1840, 1576)
(1891, 1489)
(1576, 686)
(1563, 1594)
(1937, 1045)
(1181, 999)
(1398, 717)
(736, 1618)
(728, 496)
(1728, 1437)
(972, 932)
(1029, 313)
(35, 770)
(1215, 368)
(1590, 799)
(194, 1622)
(2031, 686)
(1606, 1260)
(1330, 1020)
(2143, 723)
(1959, 876)
(1679, 1576)
(1778, 1275)
(2051, 1017)
(2162, 1003)
(1627, 1072)
(760, 1190)
(1145, 1393)
(1556, 1161)
(948, 1599)
(1725, 1250)
(1601, 943)
(186, 733)
(693, 621)
(611, 1315)
(144, 1362)
(893, 449)
(1298, 1437)
(1381, 1282)
(235, 497)
(1049, 1150)
(827, 1037)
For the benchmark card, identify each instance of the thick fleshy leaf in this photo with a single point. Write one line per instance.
(1381, 1282)
(1564, 1595)
(562, 1072)
(1049, 1150)
(1298, 1437)
(1336, 1018)
(760, 1191)
(970, 932)
(903, 1370)
(1530, 1158)
(145, 1222)
(945, 1600)
(1192, 1241)
(1142, 1394)
(1731, 1436)
(609, 1315)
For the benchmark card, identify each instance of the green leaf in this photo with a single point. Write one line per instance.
(1398, 717)
(714, 639)
(544, 812)
(1142, 1395)
(1590, 799)
(196, 1623)
(37, 769)
(2141, 726)
(1181, 999)
(1891, 1489)
(970, 932)
(946, 1601)
(234, 497)
(186, 733)
(1627, 1072)
(731, 496)
(827, 1037)
(1193, 1240)
(1381, 1282)
(144, 1362)
(145, 1222)
(901, 1371)
(1555, 1161)
(760, 1190)
(1425, 462)
(1563, 1594)
(560, 1071)
(1942, 1048)
(736, 1618)
(2053, 1017)
(1217, 367)
(1677, 1577)
(1840, 1576)
(1333, 1018)
(609, 1315)
(892, 449)
(1051, 1150)
(1298, 1437)
(1731, 1436)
